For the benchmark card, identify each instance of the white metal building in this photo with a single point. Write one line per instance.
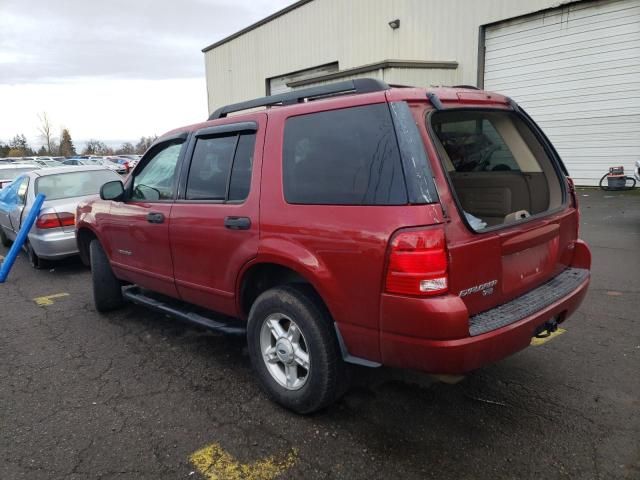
(574, 66)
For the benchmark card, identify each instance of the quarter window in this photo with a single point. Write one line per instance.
(343, 157)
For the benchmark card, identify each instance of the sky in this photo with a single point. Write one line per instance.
(111, 70)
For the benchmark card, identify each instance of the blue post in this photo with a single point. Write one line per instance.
(14, 251)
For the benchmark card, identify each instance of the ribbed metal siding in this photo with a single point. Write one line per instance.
(356, 33)
(576, 70)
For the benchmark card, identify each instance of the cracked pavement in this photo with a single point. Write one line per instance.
(130, 395)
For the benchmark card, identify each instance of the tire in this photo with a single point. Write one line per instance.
(35, 261)
(4, 239)
(307, 389)
(107, 290)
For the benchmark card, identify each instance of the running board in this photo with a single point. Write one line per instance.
(182, 311)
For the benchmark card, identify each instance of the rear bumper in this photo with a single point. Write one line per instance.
(54, 245)
(465, 354)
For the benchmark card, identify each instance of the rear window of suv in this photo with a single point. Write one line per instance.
(343, 157)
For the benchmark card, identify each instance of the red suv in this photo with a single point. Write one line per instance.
(356, 223)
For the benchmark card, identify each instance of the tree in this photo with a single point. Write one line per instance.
(46, 132)
(4, 150)
(126, 149)
(66, 149)
(144, 144)
(18, 147)
(42, 152)
(96, 147)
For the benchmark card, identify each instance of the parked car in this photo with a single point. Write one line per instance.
(132, 160)
(122, 163)
(76, 162)
(46, 162)
(355, 223)
(106, 163)
(636, 172)
(53, 235)
(10, 171)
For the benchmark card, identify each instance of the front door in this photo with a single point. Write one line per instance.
(214, 224)
(139, 227)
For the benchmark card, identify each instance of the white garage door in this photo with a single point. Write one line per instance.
(576, 70)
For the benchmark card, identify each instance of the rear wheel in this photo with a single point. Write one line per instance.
(107, 289)
(36, 262)
(294, 350)
(4, 239)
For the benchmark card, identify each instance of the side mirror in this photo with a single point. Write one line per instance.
(112, 191)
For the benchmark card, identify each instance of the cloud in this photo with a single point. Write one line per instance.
(45, 41)
(112, 70)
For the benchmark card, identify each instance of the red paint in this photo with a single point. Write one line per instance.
(343, 251)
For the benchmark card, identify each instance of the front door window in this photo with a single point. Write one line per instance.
(158, 178)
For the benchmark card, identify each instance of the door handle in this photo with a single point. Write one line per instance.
(237, 223)
(155, 217)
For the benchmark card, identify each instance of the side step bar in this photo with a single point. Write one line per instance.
(183, 311)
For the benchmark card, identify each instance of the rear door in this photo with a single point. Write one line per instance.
(12, 205)
(17, 212)
(138, 228)
(214, 224)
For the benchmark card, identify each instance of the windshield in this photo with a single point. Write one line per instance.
(73, 184)
(13, 173)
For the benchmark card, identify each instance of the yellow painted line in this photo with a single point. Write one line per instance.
(216, 464)
(536, 342)
(48, 300)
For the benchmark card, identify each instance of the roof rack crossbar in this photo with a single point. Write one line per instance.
(359, 85)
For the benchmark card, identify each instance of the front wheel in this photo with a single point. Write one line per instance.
(107, 289)
(294, 350)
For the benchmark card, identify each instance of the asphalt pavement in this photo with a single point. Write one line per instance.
(134, 395)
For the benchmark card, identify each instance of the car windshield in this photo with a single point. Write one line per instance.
(10, 174)
(73, 184)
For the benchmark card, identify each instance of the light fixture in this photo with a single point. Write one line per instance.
(395, 24)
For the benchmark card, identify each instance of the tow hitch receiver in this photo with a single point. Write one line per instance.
(546, 329)
(545, 332)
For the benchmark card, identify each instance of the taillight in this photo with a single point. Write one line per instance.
(418, 263)
(56, 220)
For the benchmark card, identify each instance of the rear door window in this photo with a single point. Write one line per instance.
(221, 168)
(498, 169)
(476, 146)
(343, 157)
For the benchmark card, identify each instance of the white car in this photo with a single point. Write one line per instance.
(10, 171)
(53, 236)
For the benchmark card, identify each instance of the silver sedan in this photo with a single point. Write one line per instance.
(53, 235)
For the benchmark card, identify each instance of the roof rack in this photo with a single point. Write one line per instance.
(359, 85)
(470, 87)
